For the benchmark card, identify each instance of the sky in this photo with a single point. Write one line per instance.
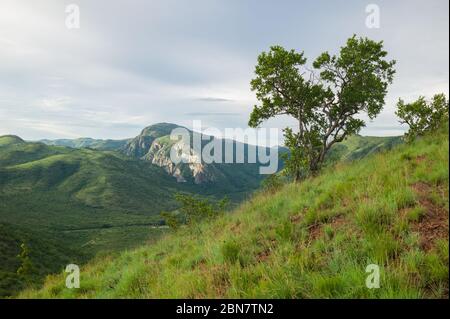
(134, 63)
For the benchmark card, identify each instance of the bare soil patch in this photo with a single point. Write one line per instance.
(434, 224)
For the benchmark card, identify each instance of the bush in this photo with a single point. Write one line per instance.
(230, 251)
(170, 220)
(196, 209)
(422, 116)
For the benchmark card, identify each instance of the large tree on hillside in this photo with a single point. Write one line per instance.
(325, 100)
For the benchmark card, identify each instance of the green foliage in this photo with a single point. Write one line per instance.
(196, 209)
(10, 140)
(26, 269)
(231, 251)
(423, 116)
(170, 220)
(324, 104)
(296, 160)
(356, 147)
(416, 214)
(83, 199)
(103, 145)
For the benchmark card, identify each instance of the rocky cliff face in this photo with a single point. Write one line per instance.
(154, 145)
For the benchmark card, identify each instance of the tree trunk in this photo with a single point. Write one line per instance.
(297, 176)
(314, 166)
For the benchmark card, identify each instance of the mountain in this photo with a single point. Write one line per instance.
(153, 144)
(308, 240)
(103, 145)
(139, 146)
(85, 200)
(10, 140)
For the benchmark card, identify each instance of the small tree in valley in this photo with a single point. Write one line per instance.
(26, 268)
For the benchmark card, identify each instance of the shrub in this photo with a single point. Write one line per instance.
(170, 220)
(422, 116)
(230, 251)
(196, 209)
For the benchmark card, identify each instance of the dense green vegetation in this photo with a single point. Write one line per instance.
(46, 254)
(312, 239)
(88, 201)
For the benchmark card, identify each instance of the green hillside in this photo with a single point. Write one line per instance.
(10, 140)
(356, 147)
(88, 201)
(103, 145)
(308, 240)
(153, 145)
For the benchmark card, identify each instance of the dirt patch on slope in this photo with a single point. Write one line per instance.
(434, 224)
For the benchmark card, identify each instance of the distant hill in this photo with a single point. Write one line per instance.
(10, 140)
(103, 145)
(308, 240)
(357, 147)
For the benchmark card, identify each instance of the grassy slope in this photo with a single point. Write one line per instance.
(312, 240)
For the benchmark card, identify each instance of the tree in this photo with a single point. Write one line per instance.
(170, 220)
(26, 268)
(196, 209)
(422, 116)
(324, 100)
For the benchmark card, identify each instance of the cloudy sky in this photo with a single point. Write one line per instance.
(134, 63)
